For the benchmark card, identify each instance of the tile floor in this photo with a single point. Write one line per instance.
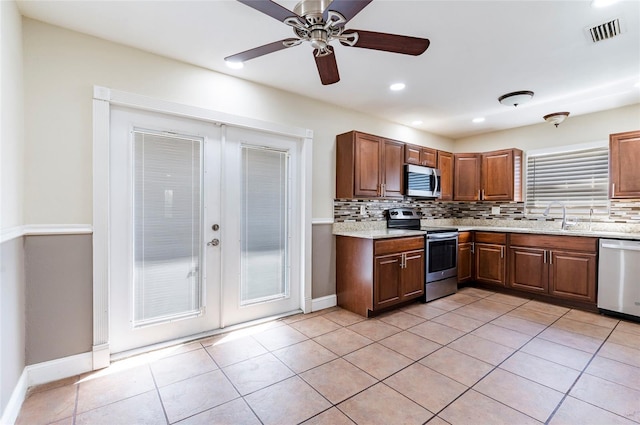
(476, 357)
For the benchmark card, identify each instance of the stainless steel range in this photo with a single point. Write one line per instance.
(441, 252)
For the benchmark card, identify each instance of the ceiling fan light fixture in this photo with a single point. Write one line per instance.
(235, 64)
(556, 118)
(397, 86)
(515, 98)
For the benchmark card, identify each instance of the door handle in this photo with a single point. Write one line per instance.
(213, 242)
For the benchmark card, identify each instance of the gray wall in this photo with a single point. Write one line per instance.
(12, 317)
(323, 267)
(58, 273)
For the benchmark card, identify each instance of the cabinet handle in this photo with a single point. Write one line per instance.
(479, 195)
(613, 190)
(384, 190)
(550, 257)
(379, 190)
(403, 261)
(545, 256)
(482, 195)
(502, 252)
(473, 247)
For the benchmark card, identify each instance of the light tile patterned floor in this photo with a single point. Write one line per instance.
(476, 357)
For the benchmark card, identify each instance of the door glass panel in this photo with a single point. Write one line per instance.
(167, 227)
(264, 245)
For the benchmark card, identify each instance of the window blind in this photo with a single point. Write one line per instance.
(167, 230)
(578, 178)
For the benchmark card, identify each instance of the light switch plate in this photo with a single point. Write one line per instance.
(495, 210)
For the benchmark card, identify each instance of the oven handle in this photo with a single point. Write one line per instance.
(440, 236)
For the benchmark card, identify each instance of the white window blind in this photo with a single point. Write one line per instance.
(167, 227)
(264, 233)
(578, 178)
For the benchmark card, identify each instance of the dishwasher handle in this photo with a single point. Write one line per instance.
(634, 247)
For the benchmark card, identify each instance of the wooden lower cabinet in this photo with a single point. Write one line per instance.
(465, 257)
(372, 275)
(490, 258)
(560, 266)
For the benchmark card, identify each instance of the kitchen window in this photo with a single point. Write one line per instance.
(577, 176)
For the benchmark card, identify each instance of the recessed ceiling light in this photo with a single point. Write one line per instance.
(478, 120)
(416, 122)
(397, 86)
(602, 3)
(235, 64)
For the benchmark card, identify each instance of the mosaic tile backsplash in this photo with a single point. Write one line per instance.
(371, 210)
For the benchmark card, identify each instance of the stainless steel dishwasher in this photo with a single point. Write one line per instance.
(619, 277)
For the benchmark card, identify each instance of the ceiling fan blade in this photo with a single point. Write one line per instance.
(263, 50)
(347, 8)
(327, 67)
(270, 8)
(389, 42)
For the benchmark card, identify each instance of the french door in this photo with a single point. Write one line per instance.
(164, 201)
(201, 223)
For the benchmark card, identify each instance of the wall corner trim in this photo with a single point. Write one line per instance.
(324, 302)
(12, 410)
(11, 233)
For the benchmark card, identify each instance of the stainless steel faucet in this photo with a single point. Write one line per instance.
(564, 212)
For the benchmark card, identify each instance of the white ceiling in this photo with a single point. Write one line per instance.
(479, 50)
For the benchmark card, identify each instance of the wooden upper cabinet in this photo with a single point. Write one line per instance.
(624, 172)
(419, 155)
(445, 165)
(466, 176)
(490, 176)
(368, 166)
(393, 169)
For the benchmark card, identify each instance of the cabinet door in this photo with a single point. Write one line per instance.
(413, 279)
(386, 285)
(445, 165)
(392, 178)
(466, 181)
(412, 154)
(465, 262)
(429, 157)
(497, 176)
(490, 263)
(367, 168)
(624, 173)
(573, 275)
(528, 269)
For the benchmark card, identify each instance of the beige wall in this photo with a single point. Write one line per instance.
(62, 66)
(575, 130)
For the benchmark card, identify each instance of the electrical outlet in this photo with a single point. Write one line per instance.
(363, 210)
(495, 210)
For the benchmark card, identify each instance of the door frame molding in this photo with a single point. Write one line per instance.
(103, 99)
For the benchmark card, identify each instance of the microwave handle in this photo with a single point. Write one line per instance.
(436, 186)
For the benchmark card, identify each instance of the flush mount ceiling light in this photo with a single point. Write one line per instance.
(515, 98)
(416, 122)
(478, 120)
(556, 118)
(397, 86)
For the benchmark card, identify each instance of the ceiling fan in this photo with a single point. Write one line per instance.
(321, 21)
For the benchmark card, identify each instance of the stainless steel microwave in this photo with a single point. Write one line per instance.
(422, 182)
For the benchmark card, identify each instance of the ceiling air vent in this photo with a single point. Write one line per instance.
(605, 31)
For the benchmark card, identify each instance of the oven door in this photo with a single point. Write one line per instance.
(441, 256)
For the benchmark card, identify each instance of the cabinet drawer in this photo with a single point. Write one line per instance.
(465, 237)
(574, 243)
(491, 237)
(389, 246)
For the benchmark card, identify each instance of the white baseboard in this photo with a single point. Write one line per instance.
(324, 302)
(14, 405)
(42, 373)
(50, 371)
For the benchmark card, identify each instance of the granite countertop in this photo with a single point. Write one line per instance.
(380, 233)
(558, 232)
